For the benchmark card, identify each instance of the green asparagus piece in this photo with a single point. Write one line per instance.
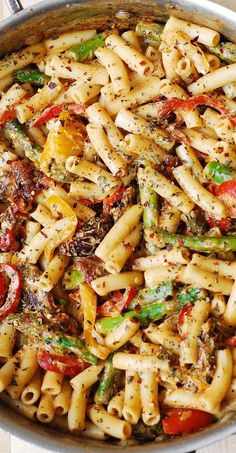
(226, 51)
(85, 49)
(72, 279)
(52, 340)
(151, 31)
(31, 75)
(218, 172)
(21, 142)
(151, 312)
(148, 296)
(145, 432)
(109, 382)
(197, 243)
(189, 295)
(149, 201)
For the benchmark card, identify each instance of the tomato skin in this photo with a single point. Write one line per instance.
(223, 224)
(14, 290)
(185, 421)
(55, 110)
(227, 194)
(3, 289)
(117, 303)
(67, 364)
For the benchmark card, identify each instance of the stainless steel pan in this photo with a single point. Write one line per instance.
(53, 17)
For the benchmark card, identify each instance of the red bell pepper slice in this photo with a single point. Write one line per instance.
(231, 342)
(174, 104)
(55, 110)
(185, 421)
(116, 196)
(14, 289)
(185, 310)
(117, 303)
(67, 364)
(10, 113)
(227, 194)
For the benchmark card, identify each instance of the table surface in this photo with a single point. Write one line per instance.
(11, 444)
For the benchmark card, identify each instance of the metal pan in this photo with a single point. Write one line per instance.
(50, 18)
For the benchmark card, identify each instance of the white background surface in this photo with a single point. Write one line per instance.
(11, 444)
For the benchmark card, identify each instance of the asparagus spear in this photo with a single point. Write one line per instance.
(225, 51)
(151, 312)
(189, 295)
(85, 49)
(149, 201)
(31, 75)
(151, 31)
(218, 172)
(144, 432)
(109, 382)
(198, 243)
(148, 296)
(21, 142)
(51, 340)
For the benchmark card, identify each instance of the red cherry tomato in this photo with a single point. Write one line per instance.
(67, 364)
(185, 421)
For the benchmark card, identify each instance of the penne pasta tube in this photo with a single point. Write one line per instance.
(230, 90)
(170, 59)
(188, 400)
(7, 372)
(6, 82)
(204, 35)
(221, 381)
(113, 282)
(119, 231)
(31, 229)
(116, 404)
(167, 190)
(32, 391)
(43, 216)
(7, 339)
(21, 58)
(136, 144)
(109, 156)
(92, 172)
(81, 93)
(144, 92)
(39, 101)
(221, 125)
(92, 431)
(86, 378)
(224, 268)
(53, 272)
(67, 69)
(174, 255)
(111, 425)
(170, 217)
(107, 96)
(132, 39)
(191, 331)
(216, 79)
(182, 42)
(190, 160)
(137, 125)
(193, 275)
(116, 70)
(198, 194)
(63, 399)
(149, 398)
(230, 312)
(164, 335)
(52, 383)
(98, 115)
(138, 362)
(77, 410)
(24, 374)
(123, 251)
(134, 59)
(132, 403)
(89, 190)
(186, 70)
(218, 304)
(66, 40)
(160, 274)
(46, 410)
(213, 60)
(122, 334)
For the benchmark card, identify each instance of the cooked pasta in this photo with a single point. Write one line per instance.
(117, 230)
